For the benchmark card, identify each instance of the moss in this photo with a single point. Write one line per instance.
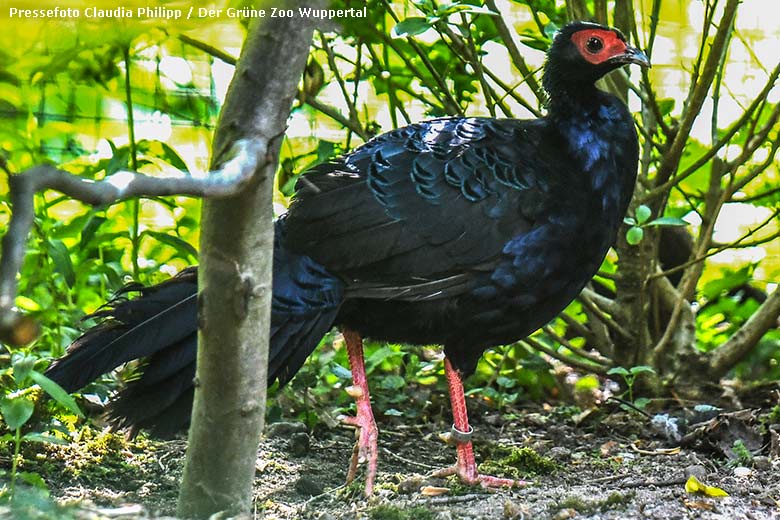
(388, 512)
(614, 501)
(516, 463)
(773, 417)
(457, 487)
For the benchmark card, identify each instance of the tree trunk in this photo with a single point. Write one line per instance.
(235, 276)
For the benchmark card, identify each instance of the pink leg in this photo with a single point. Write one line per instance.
(366, 445)
(466, 467)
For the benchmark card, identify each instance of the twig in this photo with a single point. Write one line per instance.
(406, 461)
(600, 301)
(337, 116)
(596, 358)
(353, 115)
(449, 101)
(208, 49)
(458, 499)
(582, 365)
(719, 249)
(601, 316)
(507, 36)
(698, 93)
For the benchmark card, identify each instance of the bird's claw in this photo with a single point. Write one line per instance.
(366, 447)
(470, 477)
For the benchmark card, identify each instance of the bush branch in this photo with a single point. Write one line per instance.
(229, 179)
(742, 342)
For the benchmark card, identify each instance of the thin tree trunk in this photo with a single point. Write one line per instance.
(235, 276)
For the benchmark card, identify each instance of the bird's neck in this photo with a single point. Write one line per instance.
(572, 100)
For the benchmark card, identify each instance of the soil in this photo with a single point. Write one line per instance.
(609, 463)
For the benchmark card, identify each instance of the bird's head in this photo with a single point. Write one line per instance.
(582, 52)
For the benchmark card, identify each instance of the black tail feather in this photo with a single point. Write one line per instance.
(160, 328)
(132, 329)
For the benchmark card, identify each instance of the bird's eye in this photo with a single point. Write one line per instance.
(594, 45)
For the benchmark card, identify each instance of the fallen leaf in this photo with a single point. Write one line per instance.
(699, 504)
(433, 491)
(694, 486)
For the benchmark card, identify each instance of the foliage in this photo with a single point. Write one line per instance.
(20, 382)
(406, 62)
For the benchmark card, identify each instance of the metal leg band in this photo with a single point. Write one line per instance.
(461, 437)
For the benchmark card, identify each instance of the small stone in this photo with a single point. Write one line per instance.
(565, 514)
(696, 470)
(742, 471)
(283, 429)
(559, 453)
(299, 444)
(762, 463)
(308, 487)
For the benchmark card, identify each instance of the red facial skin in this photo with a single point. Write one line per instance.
(612, 45)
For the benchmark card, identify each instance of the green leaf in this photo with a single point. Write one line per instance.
(56, 392)
(642, 214)
(393, 382)
(340, 372)
(411, 27)
(47, 439)
(393, 412)
(665, 106)
(90, 228)
(617, 370)
(641, 368)
(60, 256)
(27, 304)
(667, 221)
(170, 156)
(505, 382)
(22, 364)
(629, 221)
(641, 402)
(634, 235)
(16, 411)
(33, 479)
(179, 244)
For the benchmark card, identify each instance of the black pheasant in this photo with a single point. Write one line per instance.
(466, 232)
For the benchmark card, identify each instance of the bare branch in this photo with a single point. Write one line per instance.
(337, 116)
(600, 301)
(576, 363)
(231, 178)
(581, 352)
(208, 49)
(602, 316)
(743, 341)
(348, 99)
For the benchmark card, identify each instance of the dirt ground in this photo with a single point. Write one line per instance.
(611, 463)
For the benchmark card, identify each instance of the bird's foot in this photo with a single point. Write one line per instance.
(471, 477)
(366, 446)
(466, 466)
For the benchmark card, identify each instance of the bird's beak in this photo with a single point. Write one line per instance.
(632, 55)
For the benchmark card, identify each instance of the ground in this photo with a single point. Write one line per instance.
(609, 463)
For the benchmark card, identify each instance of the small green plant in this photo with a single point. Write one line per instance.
(17, 405)
(641, 220)
(742, 455)
(629, 376)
